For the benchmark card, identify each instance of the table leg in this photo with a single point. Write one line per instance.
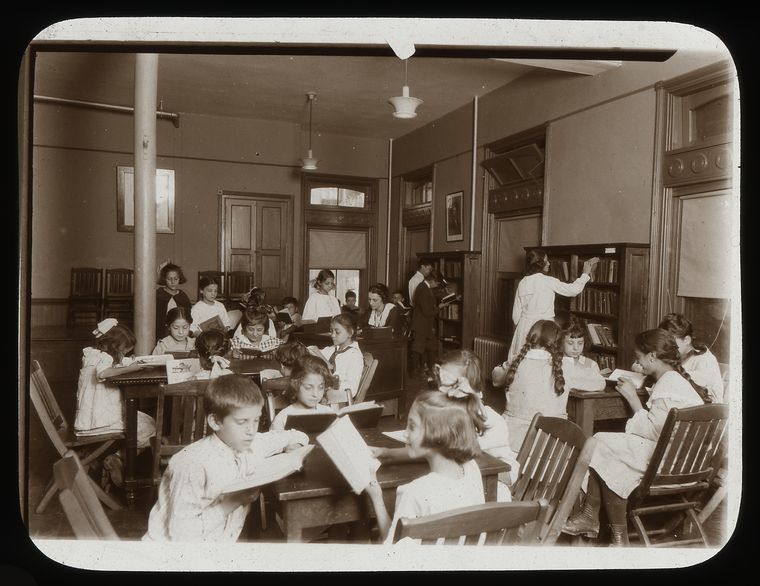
(584, 416)
(490, 486)
(130, 455)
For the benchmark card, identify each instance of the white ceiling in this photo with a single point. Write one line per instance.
(352, 91)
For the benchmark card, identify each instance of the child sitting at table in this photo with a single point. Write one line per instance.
(190, 505)
(534, 381)
(290, 306)
(344, 358)
(251, 336)
(178, 321)
(308, 382)
(350, 305)
(212, 347)
(580, 372)
(100, 408)
(442, 433)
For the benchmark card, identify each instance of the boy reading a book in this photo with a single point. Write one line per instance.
(192, 504)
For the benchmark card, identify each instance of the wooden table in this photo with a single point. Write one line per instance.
(144, 384)
(318, 495)
(391, 353)
(586, 407)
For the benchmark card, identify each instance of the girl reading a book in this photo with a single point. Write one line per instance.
(620, 459)
(308, 381)
(251, 336)
(320, 302)
(207, 308)
(443, 433)
(534, 299)
(169, 295)
(344, 358)
(580, 372)
(178, 322)
(100, 408)
(212, 346)
(534, 381)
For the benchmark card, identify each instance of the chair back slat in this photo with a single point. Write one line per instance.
(676, 433)
(368, 374)
(48, 410)
(697, 442)
(565, 458)
(239, 283)
(86, 282)
(528, 469)
(686, 443)
(119, 283)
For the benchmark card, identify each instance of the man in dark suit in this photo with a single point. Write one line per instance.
(425, 342)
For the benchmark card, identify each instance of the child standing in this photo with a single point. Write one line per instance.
(190, 505)
(169, 295)
(534, 381)
(100, 408)
(308, 381)
(696, 357)
(178, 321)
(579, 371)
(251, 334)
(344, 358)
(207, 305)
(620, 459)
(534, 298)
(320, 302)
(441, 432)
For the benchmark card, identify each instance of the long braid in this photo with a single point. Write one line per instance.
(512, 370)
(469, 363)
(559, 379)
(701, 391)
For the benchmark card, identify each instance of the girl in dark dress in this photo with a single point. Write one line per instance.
(169, 295)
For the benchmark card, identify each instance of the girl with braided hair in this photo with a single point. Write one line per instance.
(620, 459)
(534, 381)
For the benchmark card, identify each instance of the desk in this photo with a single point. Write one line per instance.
(144, 384)
(586, 407)
(318, 495)
(390, 377)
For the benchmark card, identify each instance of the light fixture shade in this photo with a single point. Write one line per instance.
(309, 163)
(405, 106)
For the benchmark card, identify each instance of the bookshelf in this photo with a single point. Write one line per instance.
(613, 303)
(458, 321)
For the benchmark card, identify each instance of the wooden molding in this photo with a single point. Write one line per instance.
(420, 216)
(529, 194)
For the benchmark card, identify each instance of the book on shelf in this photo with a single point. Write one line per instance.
(182, 369)
(347, 449)
(636, 377)
(212, 323)
(604, 361)
(601, 335)
(270, 470)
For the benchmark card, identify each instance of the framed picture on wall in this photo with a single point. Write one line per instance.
(454, 230)
(125, 203)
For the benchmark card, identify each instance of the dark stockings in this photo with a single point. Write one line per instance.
(614, 505)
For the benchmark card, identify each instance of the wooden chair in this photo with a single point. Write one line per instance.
(487, 524)
(368, 373)
(118, 298)
(238, 284)
(682, 466)
(85, 296)
(79, 501)
(218, 277)
(63, 436)
(553, 458)
(273, 390)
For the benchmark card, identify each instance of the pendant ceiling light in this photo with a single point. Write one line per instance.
(405, 105)
(309, 163)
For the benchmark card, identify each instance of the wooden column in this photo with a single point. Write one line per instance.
(146, 82)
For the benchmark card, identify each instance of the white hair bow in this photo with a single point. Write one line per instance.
(104, 326)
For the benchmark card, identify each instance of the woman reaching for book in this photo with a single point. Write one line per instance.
(534, 299)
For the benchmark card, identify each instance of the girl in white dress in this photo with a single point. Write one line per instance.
(441, 432)
(696, 358)
(321, 303)
(620, 459)
(534, 299)
(207, 305)
(308, 382)
(178, 321)
(344, 358)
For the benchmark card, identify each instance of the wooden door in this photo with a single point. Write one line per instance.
(256, 237)
(416, 240)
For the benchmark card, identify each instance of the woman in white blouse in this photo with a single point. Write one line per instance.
(321, 303)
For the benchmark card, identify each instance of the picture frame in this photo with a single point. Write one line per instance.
(125, 202)
(454, 220)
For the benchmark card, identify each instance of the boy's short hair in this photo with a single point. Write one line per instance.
(226, 393)
(447, 428)
(350, 294)
(287, 300)
(426, 262)
(289, 352)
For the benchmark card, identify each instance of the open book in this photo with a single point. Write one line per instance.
(154, 359)
(212, 323)
(363, 415)
(183, 369)
(345, 446)
(271, 469)
(449, 298)
(636, 377)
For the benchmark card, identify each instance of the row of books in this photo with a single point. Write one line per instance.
(603, 360)
(602, 335)
(596, 301)
(451, 268)
(559, 269)
(606, 271)
(450, 311)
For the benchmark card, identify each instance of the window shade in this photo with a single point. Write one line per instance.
(704, 260)
(337, 250)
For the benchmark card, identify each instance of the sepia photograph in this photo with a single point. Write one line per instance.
(378, 294)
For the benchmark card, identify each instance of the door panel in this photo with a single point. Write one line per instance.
(416, 240)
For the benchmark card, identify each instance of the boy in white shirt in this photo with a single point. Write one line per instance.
(190, 505)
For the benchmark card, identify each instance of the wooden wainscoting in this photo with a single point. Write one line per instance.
(48, 312)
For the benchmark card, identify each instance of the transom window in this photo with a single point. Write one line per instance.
(337, 196)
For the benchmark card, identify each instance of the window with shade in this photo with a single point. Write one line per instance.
(418, 188)
(344, 252)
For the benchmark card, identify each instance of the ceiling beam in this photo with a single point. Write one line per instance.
(590, 67)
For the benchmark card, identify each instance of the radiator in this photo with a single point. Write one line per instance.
(491, 350)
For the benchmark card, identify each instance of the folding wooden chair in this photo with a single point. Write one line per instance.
(118, 298)
(682, 467)
(85, 296)
(79, 501)
(368, 373)
(238, 284)
(487, 524)
(553, 458)
(273, 390)
(63, 436)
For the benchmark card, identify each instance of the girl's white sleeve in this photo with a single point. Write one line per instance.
(568, 289)
(517, 308)
(223, 314)
(309, 310)
(353, 372)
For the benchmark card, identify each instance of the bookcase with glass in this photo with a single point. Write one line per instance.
(612, 305)
(458, 319)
